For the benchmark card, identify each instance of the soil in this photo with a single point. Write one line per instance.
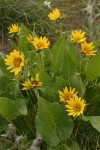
(5, 46)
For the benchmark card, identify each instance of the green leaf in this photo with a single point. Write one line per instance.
(95, 101)
(95, 121)
(4, 81)
(49, 94)
(21, 106)
(8, 108)
(51, 89)
(56, 54)
(11, 109)
(9, 88)
(44, 77)
(75, 146)
(83, 65)
(63, 63)
(71, 51)
(52, 122)
(3, 124)
(23, 43)
(68, 67)
(76, 82)
(60, 81)
(93, 68)
(3, 68)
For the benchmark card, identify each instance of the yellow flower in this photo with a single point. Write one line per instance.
(30, 38)
(87, 48)
(15, 61)
(41, 43)
(54, 15)
(75, 106)
(78, 36)
(32, 83)
(13, 28)
(67, 94)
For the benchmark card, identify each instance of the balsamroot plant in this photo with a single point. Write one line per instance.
(50, 93)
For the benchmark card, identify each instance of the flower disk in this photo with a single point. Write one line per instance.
(54, 15)
(66, 95)
(13, 28)
(75, 106)
(41, 43)
(32, 83)
(15, 61)
(78, 36)
(87, 48)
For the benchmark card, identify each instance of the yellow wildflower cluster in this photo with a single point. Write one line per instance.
(15, 61)
(39, 43)
(74, 104)
(87, 48)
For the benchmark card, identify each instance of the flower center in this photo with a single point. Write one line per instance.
(40, 45)
(34, 82)
(17, 62)
(77, 38)
(67, 96)
(77, 107)
(87, 50)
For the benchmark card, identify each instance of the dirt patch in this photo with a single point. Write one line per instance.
(5, 46)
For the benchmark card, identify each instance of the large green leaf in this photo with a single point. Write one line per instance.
(3, 124)
(50, 94)
(92, 96)
(93, 68)
(71, 51)
(52, 122)
(23, 43)
(76, 82)
(10, 109)
(3, 68)
(4, 81)
(68, 67)
(51, 89)
(21, 106)
(63, 63)
(9, 88)
(56, 54)
(60, 81)
(83, 65)
(95, 121)
(73, 144)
